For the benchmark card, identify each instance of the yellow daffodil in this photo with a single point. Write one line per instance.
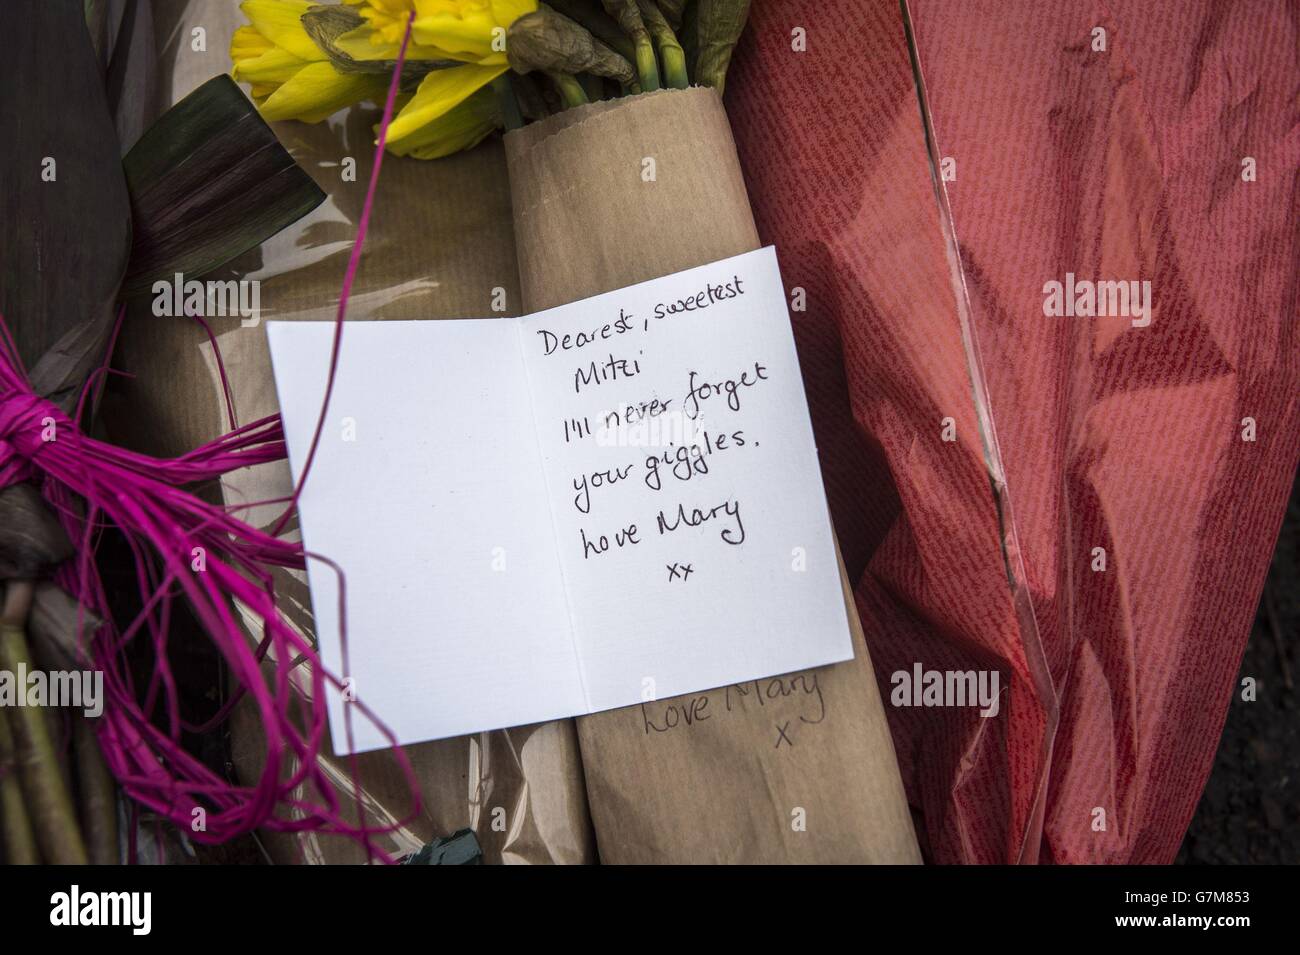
(293, 78)
(471, 31)
(461, 127)
(439, 93)
(290, 75)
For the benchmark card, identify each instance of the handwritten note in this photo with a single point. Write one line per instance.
(608, 503)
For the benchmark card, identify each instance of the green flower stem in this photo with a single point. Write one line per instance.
(674, 59)
(670, 50)
(647, 68)
(19, 840)
(44, 790)
(571, 91)
(98, 795)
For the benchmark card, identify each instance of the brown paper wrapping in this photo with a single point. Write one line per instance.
(795, 769)
(439, 244)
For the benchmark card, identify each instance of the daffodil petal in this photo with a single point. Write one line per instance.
(470, 33)
(247, 43)
(318, 91)
(439, 92)
(280, 21)
(463, 127)
(274, 66)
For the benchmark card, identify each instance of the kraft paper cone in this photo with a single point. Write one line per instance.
(439, 244)
(799, 768)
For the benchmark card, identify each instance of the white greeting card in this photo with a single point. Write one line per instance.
(607, 502)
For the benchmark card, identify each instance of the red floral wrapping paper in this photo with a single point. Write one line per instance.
(1072, 434)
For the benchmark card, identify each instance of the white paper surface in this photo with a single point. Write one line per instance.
(477, 481)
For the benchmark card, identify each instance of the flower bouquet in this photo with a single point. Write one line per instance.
(624, 95)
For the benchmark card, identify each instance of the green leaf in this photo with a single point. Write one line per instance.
(64, 218)
(208, 181)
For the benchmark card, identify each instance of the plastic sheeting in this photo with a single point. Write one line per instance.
(1099, 527)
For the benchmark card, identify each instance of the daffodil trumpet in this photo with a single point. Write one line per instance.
(326, 25)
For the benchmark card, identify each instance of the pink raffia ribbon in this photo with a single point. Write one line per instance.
(91, 486)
